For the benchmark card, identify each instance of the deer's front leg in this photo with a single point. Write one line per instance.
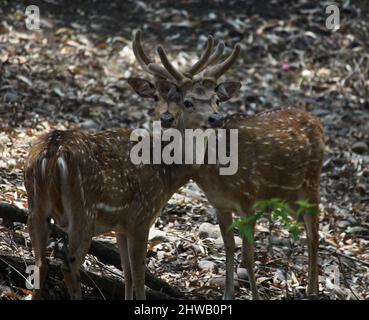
(225, 220)
(137, 249)
(124, 257)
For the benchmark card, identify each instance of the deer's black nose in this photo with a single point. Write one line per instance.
(216, 120)
(166, 119)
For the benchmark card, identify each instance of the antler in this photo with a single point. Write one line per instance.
(199, 65)
(215, 56)
(205, 60)
(177, 75)
(168, 71)
(216, 71)
(145, 61)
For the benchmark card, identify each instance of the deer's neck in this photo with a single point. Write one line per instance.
(174, 176)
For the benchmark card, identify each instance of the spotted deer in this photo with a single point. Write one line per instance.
(88, 185)
(280, 153)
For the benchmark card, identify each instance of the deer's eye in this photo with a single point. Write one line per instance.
(188, 104)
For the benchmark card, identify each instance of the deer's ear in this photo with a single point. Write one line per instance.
(227, 90)
(142, 87)
(168, 90)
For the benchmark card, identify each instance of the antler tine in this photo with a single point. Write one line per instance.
(159, 71)
(138, 51)
(215, 56)
(178, 76)
(198, 66)
(216, 71)
(145, 61)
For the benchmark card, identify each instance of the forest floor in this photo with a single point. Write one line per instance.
(72, 73)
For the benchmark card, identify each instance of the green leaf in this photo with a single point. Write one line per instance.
(277, 209)
(295, 230)
(245, 225)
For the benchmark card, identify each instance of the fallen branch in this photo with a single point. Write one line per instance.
(334, 250)
(10, 213)
(107, 286)
(340, 265)
(105, 251)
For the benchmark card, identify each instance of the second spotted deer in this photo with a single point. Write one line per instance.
(280, 153)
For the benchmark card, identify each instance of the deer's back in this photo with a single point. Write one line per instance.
(100, 180)
(279, 153)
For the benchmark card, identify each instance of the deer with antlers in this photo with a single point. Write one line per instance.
(280, 152)
(88, 185)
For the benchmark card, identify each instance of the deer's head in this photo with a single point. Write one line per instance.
(186, 99)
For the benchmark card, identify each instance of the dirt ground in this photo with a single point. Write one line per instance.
(73, 73)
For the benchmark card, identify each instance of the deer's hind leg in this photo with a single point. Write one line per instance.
(248, 259)
(38, 227)
(80, 232)
(311, 224)
(81, 218)
(225, 221)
